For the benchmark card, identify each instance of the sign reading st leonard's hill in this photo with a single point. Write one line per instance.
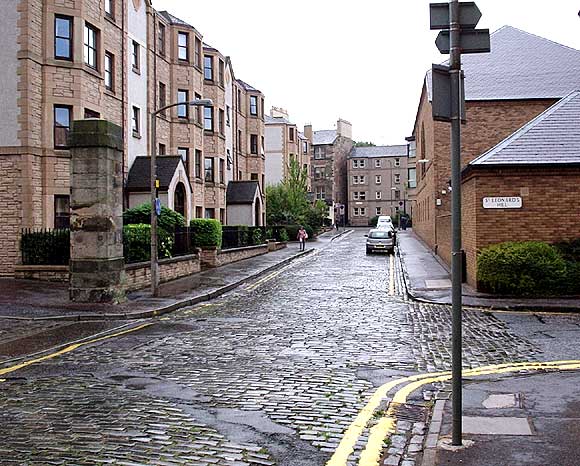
(502, 202)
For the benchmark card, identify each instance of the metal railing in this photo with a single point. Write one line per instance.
(45, 246)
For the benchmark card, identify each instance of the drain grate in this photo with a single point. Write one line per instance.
(410, 412)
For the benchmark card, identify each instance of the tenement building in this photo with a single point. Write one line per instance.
(119, 60)
(505, 90)
(284, 143)
(330, 149)
(377, 182)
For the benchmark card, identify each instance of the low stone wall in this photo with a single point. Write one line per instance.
(138, 275)
(211, 258)
(45, 273)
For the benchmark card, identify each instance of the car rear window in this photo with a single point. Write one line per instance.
(379, 234)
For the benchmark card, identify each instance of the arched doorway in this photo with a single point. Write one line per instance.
(257, 214)
(179, 199)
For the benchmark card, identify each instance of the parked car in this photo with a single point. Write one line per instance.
(385, 222)
(382, 239)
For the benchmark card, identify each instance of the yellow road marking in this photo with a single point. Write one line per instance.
(392, 275)
(386, 425)
(267, 278)
(68, 349)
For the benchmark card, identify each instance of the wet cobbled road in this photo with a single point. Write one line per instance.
(272, 373)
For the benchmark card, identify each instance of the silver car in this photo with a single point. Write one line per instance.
(380, 240)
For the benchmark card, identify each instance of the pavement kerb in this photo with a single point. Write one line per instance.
(432, 439)
(487, 307)
(167, 309)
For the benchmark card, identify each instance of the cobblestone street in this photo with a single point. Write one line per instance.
(272, 373)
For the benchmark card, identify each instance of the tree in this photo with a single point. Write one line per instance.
(288, 201)
(364, 144)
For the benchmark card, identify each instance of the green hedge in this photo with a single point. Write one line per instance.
(207, 232)
(168, 220)
(137, 243)
(522, 268)
(257, 237)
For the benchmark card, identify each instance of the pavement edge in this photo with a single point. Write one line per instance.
(430, 448)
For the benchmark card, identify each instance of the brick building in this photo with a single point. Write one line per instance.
(522, 76)
(116, 60)
(377, 182)
(330, 149)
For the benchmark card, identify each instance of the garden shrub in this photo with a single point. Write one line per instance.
(373, 221)
(137, 243)
(521, 268)
(207, 232)
(168, 220)
(257, 236)
(284, 235)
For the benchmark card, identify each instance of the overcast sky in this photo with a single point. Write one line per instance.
(360, 60)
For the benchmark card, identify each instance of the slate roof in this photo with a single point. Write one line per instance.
(520, 66)
(175, 20)
(325, 136)
(241, 192)
(379, 151)
(269, 120)
(553, 137)
(247, 86)
(139, 178)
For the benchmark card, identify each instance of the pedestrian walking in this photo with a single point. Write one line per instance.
(302, 237)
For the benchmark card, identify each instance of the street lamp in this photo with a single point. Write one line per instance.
(154, 185)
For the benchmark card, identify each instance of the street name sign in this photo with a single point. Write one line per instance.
(502, 202)
(469, 15)
(471, 41)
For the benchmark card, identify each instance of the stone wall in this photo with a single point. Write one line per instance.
(44, 273)
(138, 275)
(211, 258)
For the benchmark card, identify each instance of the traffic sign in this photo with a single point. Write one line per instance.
(441, 105)
(471, 41)
(469, 15)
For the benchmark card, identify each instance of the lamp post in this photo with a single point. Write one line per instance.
(155, 186)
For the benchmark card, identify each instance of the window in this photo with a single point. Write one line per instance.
(198, 52)
(136, 122)
(228, 112)
(254, 106)
(109, 8)
(223, 216)
(359, 211)
(221, 119)
(162, 96)
(397, 162)
(198, 110)
(362, 195)
(221, 72)
(109, 71)
(363, 211)
(183, 152)
(62, 117)
(91, 114)
(318, 173)
(319, 153)
(358, 179)
(412, 148)
(355, 179)
(183, 110)
(355, 195)
(135, 56)
(209, 213)
(412, 177)
(397, 195)
(183, 45)
(254, 144)
(397, 178)
(378, 179)
(378, 163)
(378, 211)
(61, 211)
(222, 171)
(263, 146)
(63, 30)
(305, 147)
(262, 108)
(162, 149)
(378, 195)
(198, 211)
(239, 140)
(291, 134)
(239, 100)
(208, 67)
(161, 39)
(355, 212)
(229, 159)
(320, 192)
(208, 118)
(209, 172)
(198, 164)
(90, 50)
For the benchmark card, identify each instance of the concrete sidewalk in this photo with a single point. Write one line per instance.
(428, 279)
(527, 419)
(33, 300)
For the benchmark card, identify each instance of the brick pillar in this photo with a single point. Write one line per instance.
(97, 267)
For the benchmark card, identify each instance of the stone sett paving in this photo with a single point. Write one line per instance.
(291, 349)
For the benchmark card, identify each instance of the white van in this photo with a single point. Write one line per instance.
(385, 222)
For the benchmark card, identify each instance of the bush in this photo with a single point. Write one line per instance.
(207, 232)
(45, 247)
(521, 268)
(284, 235)
(373, 221)
(257, 236)
(168, 220)
(137, 243)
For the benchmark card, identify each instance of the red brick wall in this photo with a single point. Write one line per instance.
(550, 212)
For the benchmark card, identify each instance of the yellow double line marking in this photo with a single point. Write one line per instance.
(68, 349)
(386, 426)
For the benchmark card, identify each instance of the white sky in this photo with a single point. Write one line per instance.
(361, 60)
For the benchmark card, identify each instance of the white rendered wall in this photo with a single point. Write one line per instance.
(274, 168)
(240, 214)
(8, 78)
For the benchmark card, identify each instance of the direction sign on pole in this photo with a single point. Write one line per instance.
(471, 41)
(469, 15)
(441, 105)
